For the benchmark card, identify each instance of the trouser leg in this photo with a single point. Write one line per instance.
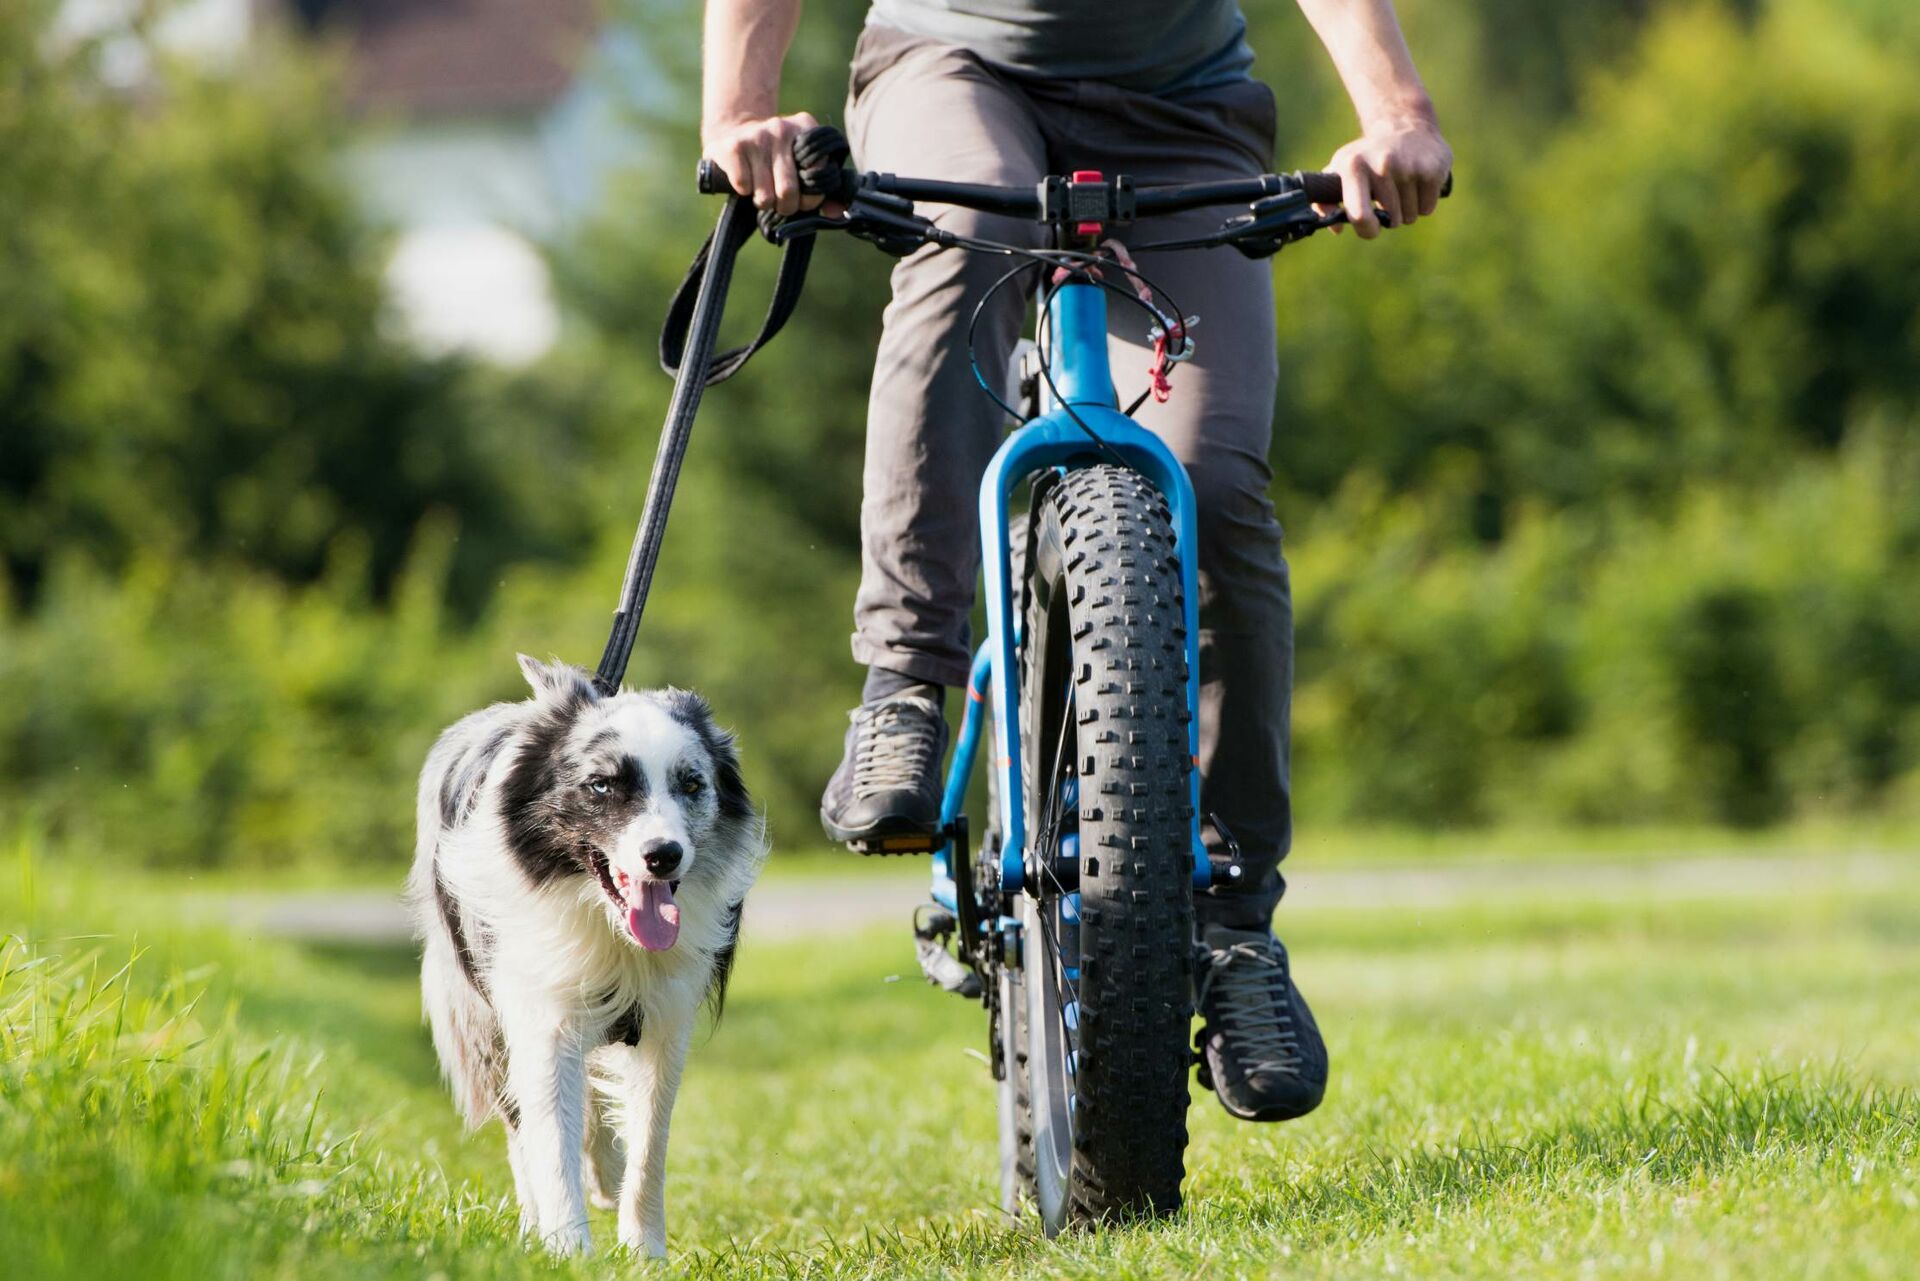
(934, 110)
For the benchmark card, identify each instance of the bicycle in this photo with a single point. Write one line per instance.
(1074, 923)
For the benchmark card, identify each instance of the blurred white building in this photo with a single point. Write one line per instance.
(485, 125)
(488, 124)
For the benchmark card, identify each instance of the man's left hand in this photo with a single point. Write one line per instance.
(1398, 164)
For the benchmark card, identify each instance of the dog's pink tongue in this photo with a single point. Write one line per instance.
(654, 921)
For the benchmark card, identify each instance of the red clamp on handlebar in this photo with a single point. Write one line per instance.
(1091, 229)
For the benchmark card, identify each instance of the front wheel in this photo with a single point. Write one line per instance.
(1102, 999)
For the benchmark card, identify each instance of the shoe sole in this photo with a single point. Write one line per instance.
(1264, 1115)
(897, 836)
(1204, 1073)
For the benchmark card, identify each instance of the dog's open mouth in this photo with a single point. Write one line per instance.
(653, 918)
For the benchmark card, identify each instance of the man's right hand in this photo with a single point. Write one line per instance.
(757, 155)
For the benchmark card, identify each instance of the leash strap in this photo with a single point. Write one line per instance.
(686, 351)
(786, 295)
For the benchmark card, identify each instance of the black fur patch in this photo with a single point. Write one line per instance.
(450, 917)
(730, 790)
(543, 841)
(630, 781)
(460, 788)
(625, 1030)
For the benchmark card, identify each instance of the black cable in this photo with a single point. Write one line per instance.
(1084, 263)
(1086, 267)
(973, 356)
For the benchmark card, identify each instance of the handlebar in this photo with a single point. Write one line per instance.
(1038, 202)
(1282, 208)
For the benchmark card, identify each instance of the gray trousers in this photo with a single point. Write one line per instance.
(931, 110)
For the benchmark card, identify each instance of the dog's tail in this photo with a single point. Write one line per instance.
(466, 1036)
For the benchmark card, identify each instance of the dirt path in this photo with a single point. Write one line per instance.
(797, 907)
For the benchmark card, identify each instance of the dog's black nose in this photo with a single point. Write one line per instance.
(662, 857)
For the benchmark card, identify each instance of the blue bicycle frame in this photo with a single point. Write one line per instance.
(1076, 333)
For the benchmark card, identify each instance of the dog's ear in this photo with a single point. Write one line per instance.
(555, 680)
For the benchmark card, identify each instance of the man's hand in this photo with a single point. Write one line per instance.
(757, 154)
(1401, 164)
(1399, 160)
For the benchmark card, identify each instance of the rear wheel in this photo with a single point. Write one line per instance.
(1099, 1007)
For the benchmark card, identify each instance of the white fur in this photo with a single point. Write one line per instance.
(557, 968)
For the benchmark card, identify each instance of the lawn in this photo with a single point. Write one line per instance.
(1529, 1086)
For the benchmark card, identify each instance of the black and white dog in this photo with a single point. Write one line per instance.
(577, 886)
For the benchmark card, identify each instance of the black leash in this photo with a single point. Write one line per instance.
(687, 341)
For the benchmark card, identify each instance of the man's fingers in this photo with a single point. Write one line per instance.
(1357, 195)
(1430, 194)
(1388, 195)
(1409, 189)
(763, 165)
(786, 176)
(735, 162)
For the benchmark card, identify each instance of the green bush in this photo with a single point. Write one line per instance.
(1752, 656)
(1711, 269)
(189, 715)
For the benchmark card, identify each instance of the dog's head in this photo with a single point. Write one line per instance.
(637, 791)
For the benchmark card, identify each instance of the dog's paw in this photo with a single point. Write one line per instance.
(643, 1244)
(573, 1239)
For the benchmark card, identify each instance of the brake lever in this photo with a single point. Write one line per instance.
(805, 225)
(1274, 223)
(887, 222)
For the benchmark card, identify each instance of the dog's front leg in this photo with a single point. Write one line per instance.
(547, 1075)
(652, 1079)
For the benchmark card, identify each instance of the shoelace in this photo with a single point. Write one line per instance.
(894, 746)
(1248, 983)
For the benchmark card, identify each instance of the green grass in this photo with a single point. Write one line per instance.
(1721, 1088)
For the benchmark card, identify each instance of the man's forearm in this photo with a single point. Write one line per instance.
(1363, 39)
(741, 128)
(1400, 160)
(744, 44)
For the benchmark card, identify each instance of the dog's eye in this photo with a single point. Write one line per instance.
(691, 785)
(599, 786)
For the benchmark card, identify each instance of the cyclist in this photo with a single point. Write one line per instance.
(1004, 91)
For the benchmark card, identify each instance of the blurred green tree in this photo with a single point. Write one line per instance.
(192, 358)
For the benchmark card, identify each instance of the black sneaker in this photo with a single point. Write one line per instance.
(886, 793)
(1261, 1051)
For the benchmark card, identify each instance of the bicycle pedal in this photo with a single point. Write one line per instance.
(910, 843)
(933, 925)
(945, 970)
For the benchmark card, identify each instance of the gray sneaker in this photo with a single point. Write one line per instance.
(1260, 1049)
(886, 793)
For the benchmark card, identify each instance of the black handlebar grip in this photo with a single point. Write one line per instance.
(820, 154)
(1321, 188)
(1325, 189)
(712, 180)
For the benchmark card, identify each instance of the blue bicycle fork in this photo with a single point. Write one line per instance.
(1081, 387)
